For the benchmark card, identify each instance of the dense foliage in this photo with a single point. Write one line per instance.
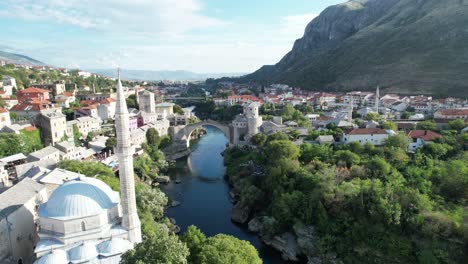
(219, 249)
(26, 142)
(368, 204)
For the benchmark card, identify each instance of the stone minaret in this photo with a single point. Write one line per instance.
(350, 109)
(124, 151)
(377, 99)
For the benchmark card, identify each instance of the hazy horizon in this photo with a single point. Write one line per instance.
(201, 36)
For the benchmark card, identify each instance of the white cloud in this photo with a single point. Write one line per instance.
(141, 17)
(153, 34)
(295, 25)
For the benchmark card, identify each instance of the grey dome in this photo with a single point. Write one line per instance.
(82, 253)
(56, 256)
(79, 198)
(114, 246)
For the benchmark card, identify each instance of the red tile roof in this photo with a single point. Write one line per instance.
(426, 135)
(33, 107)
(366, 131)
(32, 90)
(454, 112)
(3, 110)
(29, 128)
(107, 101)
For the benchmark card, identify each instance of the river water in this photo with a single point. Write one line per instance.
(204, 194)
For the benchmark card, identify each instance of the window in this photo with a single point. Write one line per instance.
(83, 227)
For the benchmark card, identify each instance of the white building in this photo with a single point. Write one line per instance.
(53, 126)
(374, 136)
(18, 207)
(164, 110)
(106, 109)
(84, 124)
(46, 153)
(9, 83)
(4, 118)
(419, 138)
(84, 74)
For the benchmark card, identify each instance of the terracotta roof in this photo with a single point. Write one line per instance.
(67, 93)
(426, 135)
(107, 101)
(29, 128)
(3, 110)
(32, 90)
(31, 107)
(454, 112)
(366, 131)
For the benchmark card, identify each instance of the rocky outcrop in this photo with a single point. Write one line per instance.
(306, 240)
(163, 179)
(405, 46)
(255, 225)
(240, 214)
(285, 243)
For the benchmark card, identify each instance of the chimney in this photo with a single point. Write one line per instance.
(425, 132)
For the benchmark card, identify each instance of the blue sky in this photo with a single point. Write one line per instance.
(197, 35)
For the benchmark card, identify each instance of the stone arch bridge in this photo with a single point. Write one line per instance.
(182, 136)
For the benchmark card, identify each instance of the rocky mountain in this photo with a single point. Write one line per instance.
(180, 75)
(19, 59)
(406, 46)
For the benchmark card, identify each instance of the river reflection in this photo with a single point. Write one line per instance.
(204, 194)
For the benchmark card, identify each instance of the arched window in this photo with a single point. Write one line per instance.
(83, 227)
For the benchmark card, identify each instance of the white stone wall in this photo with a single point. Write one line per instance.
(375, 139)
(18, 233)
(4, 119)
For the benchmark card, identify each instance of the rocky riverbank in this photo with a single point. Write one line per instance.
(298, 244)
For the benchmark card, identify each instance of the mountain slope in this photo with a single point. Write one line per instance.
(180, 75)
(407, 46)
(19, 59)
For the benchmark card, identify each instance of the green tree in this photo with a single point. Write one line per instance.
(397, 141)
(390, 125)
(259, 139)
(132, 102)
(457, 124)
(347, 157)
(10, 144)
(178, 110)
(76, 135)
(378, 168)
(152, 138)
(373, 116)
(160, 248)
(111, 143)
(279, 149)
(427, 125)
(151, 200)
(225, 249)
(194, 239)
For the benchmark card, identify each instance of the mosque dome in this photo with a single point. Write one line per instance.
(114, 246)
(56, 256)
(83, 253)
(79, 198)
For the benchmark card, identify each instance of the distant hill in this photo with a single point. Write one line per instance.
(19, 59)
(144, 75)
(405, 46)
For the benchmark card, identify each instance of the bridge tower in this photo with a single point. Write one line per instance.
(254, 120)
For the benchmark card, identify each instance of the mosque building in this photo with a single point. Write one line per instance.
(84, 220)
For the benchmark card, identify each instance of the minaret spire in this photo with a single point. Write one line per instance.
(377, 99)
(124, 152)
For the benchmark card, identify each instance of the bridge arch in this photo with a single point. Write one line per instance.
(184, 134)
